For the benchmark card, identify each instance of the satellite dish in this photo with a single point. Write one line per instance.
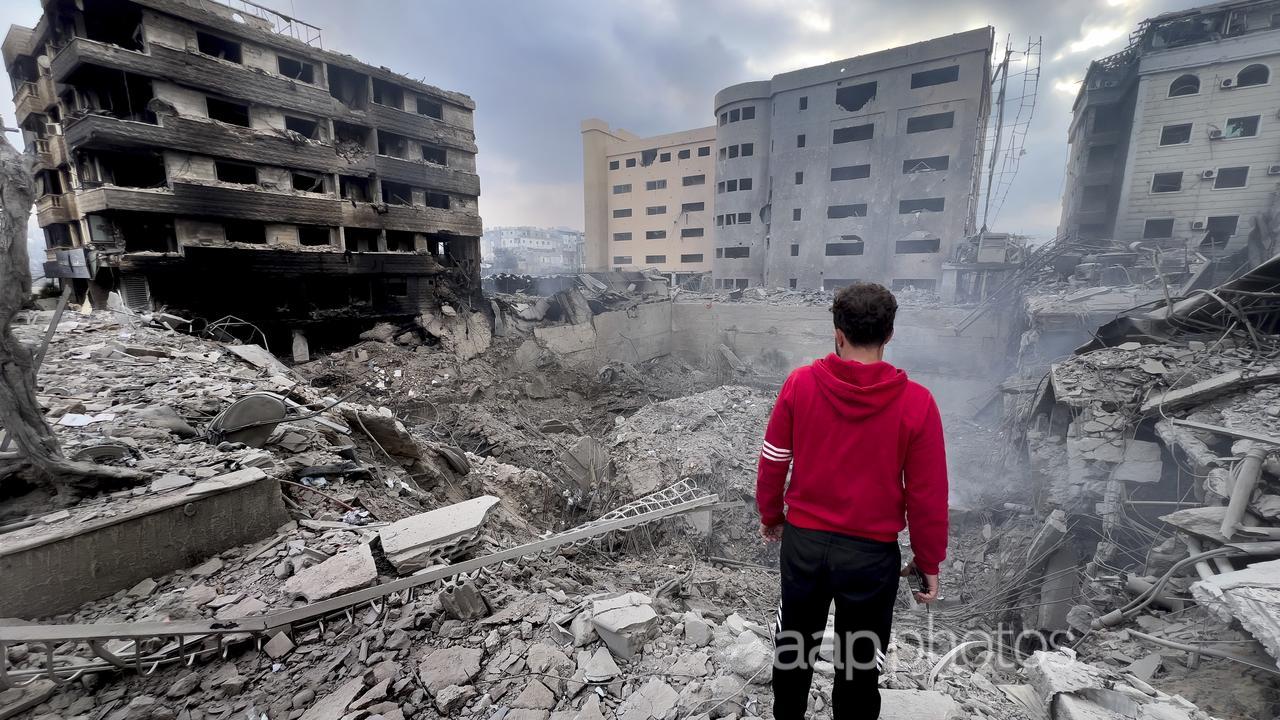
(44, 62)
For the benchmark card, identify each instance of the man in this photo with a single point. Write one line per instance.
(865, 449)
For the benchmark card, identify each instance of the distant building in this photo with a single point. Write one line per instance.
(648, 200)
(531, 250)
(1175, 141)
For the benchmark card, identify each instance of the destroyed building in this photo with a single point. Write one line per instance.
(216, 161)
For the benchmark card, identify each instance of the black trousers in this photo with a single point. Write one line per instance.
(862, 577)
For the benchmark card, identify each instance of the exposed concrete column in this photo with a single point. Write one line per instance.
(596, 140)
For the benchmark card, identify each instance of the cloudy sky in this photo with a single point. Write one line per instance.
(536, 69)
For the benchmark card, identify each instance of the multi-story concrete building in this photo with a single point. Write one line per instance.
(862, 169)
(216, 160)
(648, 200)
(1183, 129)
(532, 250)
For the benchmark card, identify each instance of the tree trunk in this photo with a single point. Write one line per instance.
(20, 413)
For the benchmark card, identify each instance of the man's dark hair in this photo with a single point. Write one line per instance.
(864, 312)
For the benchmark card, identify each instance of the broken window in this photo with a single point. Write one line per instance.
(361, 239)
(1184, 85)
(58, 236)
(437, 200)
(855, 133)
(916, 246)
(938, 76)
(221, 48)
(737, 253)
(621, 259)
(137, 231)
(305, 127)
(1095, 197)
(435, 155)
(853, 98)
(620, 189)
(349, 87)
(1218, 230)
(237, 173)
(430, 108)
(397, 287)
(1231, 177)
(850, 172)
(228, 112)
(691, 258)
(245, 231)
(906, 207)
(1175, 134)
(693, 207)
(655, 184)
(117, 23)
(850, 245)
(647, 157)
(394, 193)
(1242, 127)
(621, 236)
(656, 210)
(354, 188)
(690, 180)
(124, 169)
(847, 211)
(1100, 157)
(389, 94)
(393, 145)
(917, 283)
(314, 235)
(654, 259)
(1106, 118)
(307, 182)
(399, 241)
(613, 164)
(655, 234)
(111, 92)
(622, 213)
(691, 232)
(800, 140)
(350, 139)
(1158, 228)
(929, 164)
(1253, 75)
(799, 177)
(296, 69)
(1166, 182)
(929, 123)
(683, 155)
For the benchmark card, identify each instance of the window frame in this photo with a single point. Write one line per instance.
(1148, 221)
(1190, 133)
(1218, 176)
(1264, 66)
(1199, 85)
(1151, 188)
(1257, 127)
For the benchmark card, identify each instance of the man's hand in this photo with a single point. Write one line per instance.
(930, 582)
(771, 533)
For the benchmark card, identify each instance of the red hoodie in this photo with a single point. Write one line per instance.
(867, 449)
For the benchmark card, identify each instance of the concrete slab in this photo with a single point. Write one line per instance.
(624, 622)
(1142, 463)
(415, 542)
(1252, 596)
(348, 570)
(917, 705)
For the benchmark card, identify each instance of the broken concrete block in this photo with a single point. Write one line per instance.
(334, 705)
(384, 428)
(415, 542)
(278, 646)
(184, 686)
(342, 573)
(697, 632)
(692, 665)
(451, 699)
(917, 705)
(1142, 463)
(1104, 449)
(654, 699)
(624, 622)
(1251, 596)
(171, 481)
(259, 358)
(1055, 673)
(18, 700)
(750, 658)
(463, 602)
(600, 667)
(588, 463)
(449, 666)
(144, 588)
(535, 696)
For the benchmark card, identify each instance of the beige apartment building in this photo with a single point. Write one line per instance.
(648, 201)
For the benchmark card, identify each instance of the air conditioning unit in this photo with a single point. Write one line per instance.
(1228, 82)
(1108, 83)
(1215, 134)
(1208, 174)
(1273, 169)
(53, 128)
(1198, 224)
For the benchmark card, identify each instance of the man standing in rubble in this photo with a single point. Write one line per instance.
(865, 448)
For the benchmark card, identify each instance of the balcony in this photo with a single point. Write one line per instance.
(27, 101)
(52, 209)
(427, 175)
(214, 200)
(411, 218)
(422, 127)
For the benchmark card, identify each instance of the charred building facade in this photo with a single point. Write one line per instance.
(213, 159)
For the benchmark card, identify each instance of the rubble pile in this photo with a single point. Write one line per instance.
(908, 296)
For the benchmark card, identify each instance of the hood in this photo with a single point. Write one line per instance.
(858, 390)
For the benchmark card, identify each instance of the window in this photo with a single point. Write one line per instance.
(1158, 229)
(654, 259)
(1253, 75)
(799, 177)
(1184, 85)
(795, 214)
(1108, 118)
(724, 118)
(719, 221)
(656, 210)
(217, 47)
(853, 134)
(735, 115)
(791, 283)
(724, 153)
(621, 236)
(435, 155)
(683, 155)
(235, 173)
(655, 185)
(1100, 157)
(749, 113)
(307, 182)
(691, 258)
(719, 254)
(853, 98)
(691, 232)
(733, 151)
(731, 186)
(227, 112)
(795, 250)
(720, 187)
(1242, 127)
(430, 108)
(388, 94)
(1175, 134)
(704, 151)
(847, 211)
(437, 200)
(1232, 177)
(620, 189)
(800, 141)
(245, 231)
(854, 247)
(744, 218)
(614, 165)
(804, 102)
(647, 157)
(1218, 230)
(631, 162)
(622, 213)
(296, 69)
(748, 149)
(926, 78)
(664, 157)
(1095, 197)
(850, 172)
(929, 123)
(655, 234)
(1166, 182)
(693, 207)
(690, 180)
(306, 128)
(621, 259)
(906, 207)
(737, 253)
(744, 184)
(313, 235)
(929, 164)
(917, 246)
